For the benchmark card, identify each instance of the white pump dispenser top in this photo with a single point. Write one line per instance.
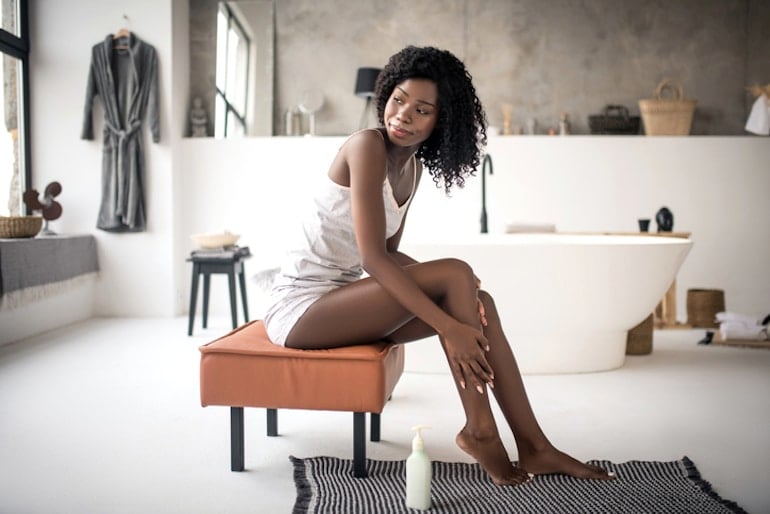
(417, 442)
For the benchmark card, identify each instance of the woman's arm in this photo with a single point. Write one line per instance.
(366, 157)
(405, 260)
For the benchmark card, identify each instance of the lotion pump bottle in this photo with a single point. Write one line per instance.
(418, 473)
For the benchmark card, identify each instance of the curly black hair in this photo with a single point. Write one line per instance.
(453, 150)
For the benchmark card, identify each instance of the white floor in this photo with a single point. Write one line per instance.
(104, 416)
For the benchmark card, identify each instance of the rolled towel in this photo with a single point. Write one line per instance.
(734, 317)
(730, 330)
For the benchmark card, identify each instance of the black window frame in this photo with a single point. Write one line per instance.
(18, 47)
(230, 109)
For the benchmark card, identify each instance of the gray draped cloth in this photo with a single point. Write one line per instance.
(127, 81)
(38, 261)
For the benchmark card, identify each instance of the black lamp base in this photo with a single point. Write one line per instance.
(365, 115)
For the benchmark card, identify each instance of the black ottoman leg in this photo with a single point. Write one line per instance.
(359, 444)
(236, 439)
(272, 422)
(375, 427)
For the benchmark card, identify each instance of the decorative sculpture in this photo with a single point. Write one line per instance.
(665, 220)
(50, 208)
(199, 119)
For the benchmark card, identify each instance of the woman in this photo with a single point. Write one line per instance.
(430, 117)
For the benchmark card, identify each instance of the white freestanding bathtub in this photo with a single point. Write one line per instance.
(566, 301)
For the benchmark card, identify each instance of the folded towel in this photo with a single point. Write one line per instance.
(759, 118)
(734, 317)
(730, 330)
(519, 227)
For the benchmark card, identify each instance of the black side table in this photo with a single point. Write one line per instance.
(207, 262)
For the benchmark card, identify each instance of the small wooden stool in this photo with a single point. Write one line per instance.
(206, 263)
(245, 369)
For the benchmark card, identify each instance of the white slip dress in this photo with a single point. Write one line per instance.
(326, 255)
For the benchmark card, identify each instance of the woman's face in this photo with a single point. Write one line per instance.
(411, 112)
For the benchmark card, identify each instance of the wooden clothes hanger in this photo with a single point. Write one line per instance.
(758, 90)
(122, 33)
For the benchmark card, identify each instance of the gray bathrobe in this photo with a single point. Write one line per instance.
(127, 82)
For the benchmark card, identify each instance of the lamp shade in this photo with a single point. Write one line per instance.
(365, 79)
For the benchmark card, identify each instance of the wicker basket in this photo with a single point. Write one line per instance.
(703, 306)
(667, 116)
(639, 338)
(20, 226)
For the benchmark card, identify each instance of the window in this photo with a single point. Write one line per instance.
(232, 74)
(14, 107)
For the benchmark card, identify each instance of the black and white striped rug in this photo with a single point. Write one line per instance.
(326, 484)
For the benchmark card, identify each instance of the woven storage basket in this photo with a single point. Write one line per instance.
(639, 338)
(20, 226)
(667, 116)
(703, 306)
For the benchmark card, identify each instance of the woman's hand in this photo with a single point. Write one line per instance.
(466, 349)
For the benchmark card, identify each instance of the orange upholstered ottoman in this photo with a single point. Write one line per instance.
(244, 369)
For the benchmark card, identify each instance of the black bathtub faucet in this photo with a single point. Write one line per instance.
(486, 162)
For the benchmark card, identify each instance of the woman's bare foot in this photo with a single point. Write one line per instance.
(490, 453)
(550, 460)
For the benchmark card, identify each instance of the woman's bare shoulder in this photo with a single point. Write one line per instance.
(365, 140)
(360, 151)
(365, 148)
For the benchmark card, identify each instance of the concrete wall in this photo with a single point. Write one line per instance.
(203, 56)
(543, 57)
(758, 47)
(256, 17)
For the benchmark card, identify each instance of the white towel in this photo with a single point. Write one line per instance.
(759, 118)
(735, 318)
(514, 227)
(740, 331)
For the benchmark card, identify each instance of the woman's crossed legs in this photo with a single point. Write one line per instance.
(364, 311)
